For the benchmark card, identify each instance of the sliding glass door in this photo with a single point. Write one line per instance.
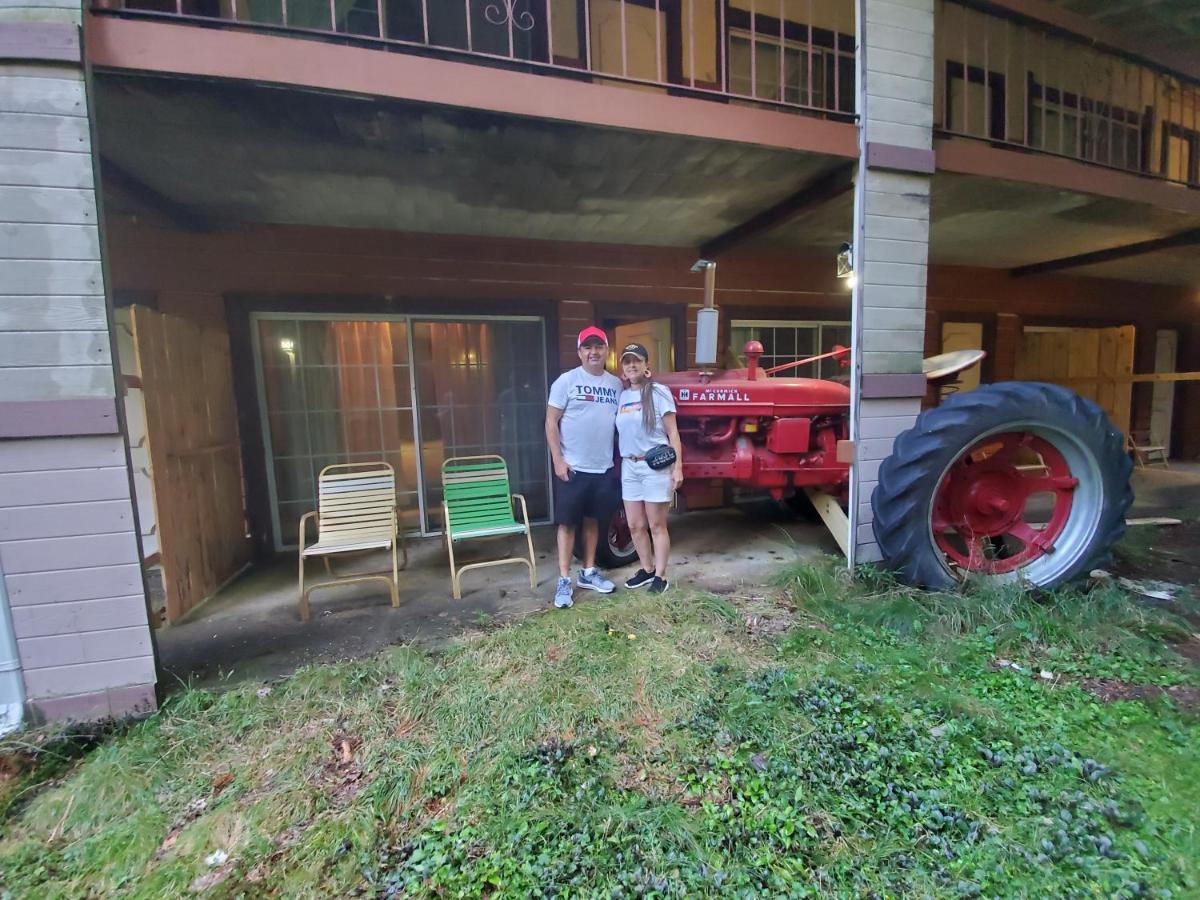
(411, 391)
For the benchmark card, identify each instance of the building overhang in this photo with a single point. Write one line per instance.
(1011, 224)
(204, 153)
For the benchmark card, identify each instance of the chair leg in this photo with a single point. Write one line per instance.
(453, 574)
(532, 559)
(303, 593)
(395, 578)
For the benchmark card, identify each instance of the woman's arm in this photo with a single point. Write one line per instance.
(672, 431)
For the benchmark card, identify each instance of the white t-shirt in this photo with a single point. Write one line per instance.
(589, 405)
(634, 439)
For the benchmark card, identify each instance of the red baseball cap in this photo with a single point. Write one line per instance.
(591, 332)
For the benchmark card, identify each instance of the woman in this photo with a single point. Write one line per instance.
(646, 419)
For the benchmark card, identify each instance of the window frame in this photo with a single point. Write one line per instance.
(1086, 110)
(835, 48)
(1191, 138)
(994, 83)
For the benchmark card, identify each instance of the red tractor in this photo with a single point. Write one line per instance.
(1009, 481)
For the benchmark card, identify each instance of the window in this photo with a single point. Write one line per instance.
(1078, 126)
(816, 67)
(974, 95)
(410, 391)
(1178, 157)
(785, 342)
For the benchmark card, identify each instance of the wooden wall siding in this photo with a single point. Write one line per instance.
(893, 251)
(573, 317)
(68, 11)
(71, 568)
(67, 544)
(187, 274)
(899, 72)
(195, 456)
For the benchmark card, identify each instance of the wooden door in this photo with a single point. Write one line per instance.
(654, 335)
(195, 458)
(1097, 363)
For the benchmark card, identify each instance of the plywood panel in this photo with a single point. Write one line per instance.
(194, 455)
(1061, 356)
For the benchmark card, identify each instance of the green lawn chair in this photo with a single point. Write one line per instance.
(476, 504)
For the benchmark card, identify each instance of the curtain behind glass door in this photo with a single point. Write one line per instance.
(481, 389)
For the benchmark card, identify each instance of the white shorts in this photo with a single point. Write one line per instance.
(640, 482)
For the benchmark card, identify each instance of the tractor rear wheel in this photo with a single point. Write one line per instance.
(615, 547)
(1015, 481)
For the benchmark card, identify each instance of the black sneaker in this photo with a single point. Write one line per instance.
(640, 579)
(659, 585)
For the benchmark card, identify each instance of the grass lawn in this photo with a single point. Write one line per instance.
(819, 738)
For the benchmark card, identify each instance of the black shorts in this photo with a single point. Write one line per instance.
(587, 495)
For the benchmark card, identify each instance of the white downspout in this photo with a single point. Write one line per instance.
(12, 687)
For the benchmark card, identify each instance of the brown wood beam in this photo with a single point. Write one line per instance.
(138, 190)
(1181, 239)
(819, 190)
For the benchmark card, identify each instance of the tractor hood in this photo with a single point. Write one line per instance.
(732, 393)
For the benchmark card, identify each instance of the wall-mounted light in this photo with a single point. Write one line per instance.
(845, 261)
(287, 345)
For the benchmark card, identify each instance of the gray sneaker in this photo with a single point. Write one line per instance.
(562, 594)
(595, 582)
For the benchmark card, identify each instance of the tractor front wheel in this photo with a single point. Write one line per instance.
(1009, 482)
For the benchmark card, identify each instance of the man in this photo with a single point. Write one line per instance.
(580, 423)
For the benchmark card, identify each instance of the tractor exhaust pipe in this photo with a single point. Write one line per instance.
(707, 317)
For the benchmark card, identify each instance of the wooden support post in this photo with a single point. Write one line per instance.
(1008, 347)
(833, 516)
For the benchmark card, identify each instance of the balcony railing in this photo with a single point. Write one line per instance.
(797, 54)
(1011, 81)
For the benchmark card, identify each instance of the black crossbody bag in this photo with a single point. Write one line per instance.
(660, 457)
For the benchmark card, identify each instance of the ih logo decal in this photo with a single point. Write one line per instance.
(714, 395)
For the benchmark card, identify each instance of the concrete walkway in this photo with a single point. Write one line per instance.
(252, 629)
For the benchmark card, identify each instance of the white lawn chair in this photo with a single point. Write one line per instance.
(356, 511)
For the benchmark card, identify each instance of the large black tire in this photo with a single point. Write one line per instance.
(1077, 429)
(615, 548)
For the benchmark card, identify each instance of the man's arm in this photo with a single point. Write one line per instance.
(554, 441)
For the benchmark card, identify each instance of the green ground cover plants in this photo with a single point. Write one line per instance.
(813, 737)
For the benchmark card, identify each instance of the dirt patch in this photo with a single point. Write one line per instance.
(1163, 552)
(342, 775)
(1186, 697)
(768, 626)
(1189, 649)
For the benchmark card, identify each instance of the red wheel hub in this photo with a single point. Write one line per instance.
(980, 508)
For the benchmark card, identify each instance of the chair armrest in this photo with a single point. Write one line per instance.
(524, 508)
(446, 518)
(304, 519)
